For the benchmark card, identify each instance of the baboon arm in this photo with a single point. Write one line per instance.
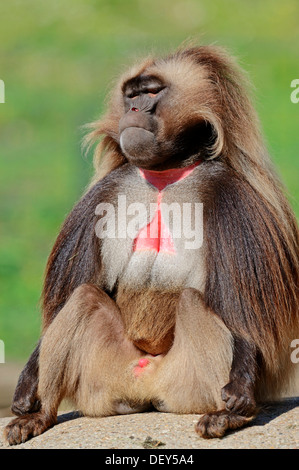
(76, 256)
(75, 259)
(239, 393)
(250, 282)
(25, 398)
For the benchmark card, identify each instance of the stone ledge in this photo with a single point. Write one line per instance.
(276, 427)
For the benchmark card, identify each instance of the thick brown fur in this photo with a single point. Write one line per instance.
(249, 297)
(264, 278)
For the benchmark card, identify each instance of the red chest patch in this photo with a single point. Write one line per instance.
(155, 236)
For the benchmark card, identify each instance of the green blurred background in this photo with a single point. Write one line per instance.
(57, 60)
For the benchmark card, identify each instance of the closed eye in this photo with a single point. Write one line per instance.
(151, 92)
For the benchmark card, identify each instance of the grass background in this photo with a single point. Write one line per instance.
(57, 60)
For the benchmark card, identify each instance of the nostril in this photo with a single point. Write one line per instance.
(135, 109)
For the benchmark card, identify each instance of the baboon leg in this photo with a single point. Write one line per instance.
(197, 367)
(238, 394)
(84, 356)
(192, 374)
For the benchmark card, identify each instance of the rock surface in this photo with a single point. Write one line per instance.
(276, 427)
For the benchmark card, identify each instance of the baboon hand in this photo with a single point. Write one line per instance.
(239, 397)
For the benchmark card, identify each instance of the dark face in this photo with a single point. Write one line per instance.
(143, 135)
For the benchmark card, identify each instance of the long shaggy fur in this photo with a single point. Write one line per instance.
(252, 254)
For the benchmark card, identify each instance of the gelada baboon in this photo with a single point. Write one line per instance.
(137, 316)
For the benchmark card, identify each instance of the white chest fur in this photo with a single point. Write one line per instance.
(152, 238)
